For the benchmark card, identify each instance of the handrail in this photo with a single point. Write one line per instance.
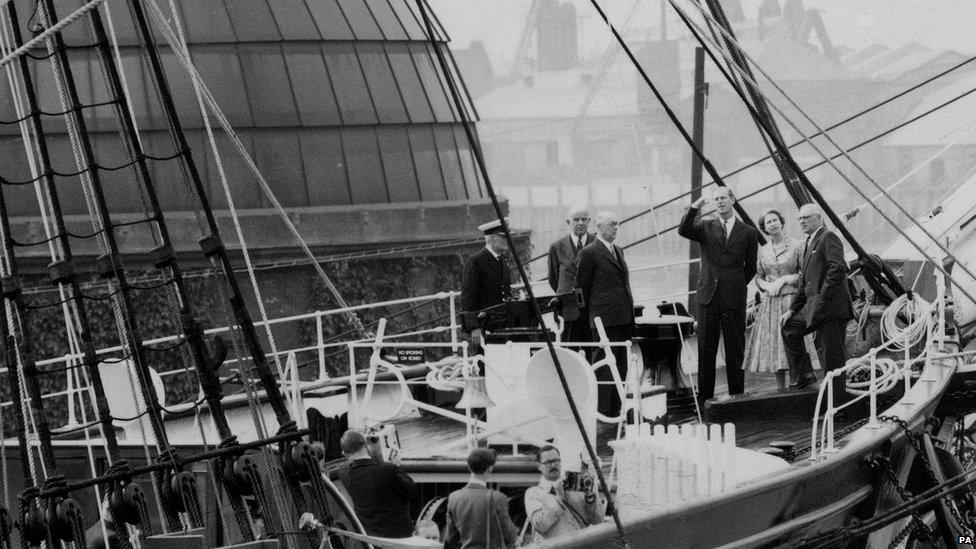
(320, 345)
(934, 318)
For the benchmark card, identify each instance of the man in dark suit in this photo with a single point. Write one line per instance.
(562, 268)
(822, 303)
(728, 262)
(477, 517)
(486, 280)
(602, 275)
(381, 492)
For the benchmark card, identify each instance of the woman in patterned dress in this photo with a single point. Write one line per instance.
(776, 278)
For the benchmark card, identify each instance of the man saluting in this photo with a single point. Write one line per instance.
(486, 280)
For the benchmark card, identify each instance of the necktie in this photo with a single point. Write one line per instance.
(579, 244)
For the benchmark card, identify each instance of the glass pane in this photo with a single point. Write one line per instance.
(268, 86)
(294, 20)
(414, 97)
(312, 85)
(330, 19)
(243, 188)
(252, 21)
(382, 86)
(325, 168)
(389, 22)
(207, 22)
(361, 20)
(426, 65)
(450, 165)
(279, 159)
(427, 163)
(184, 97)
(350, 86)
(401, 179)
(220, 68)
(365, 167)
(472, 176)
(405, 11)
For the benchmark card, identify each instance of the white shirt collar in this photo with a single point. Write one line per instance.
(814, 233)
(549, 485)
(492, 252)
(478, 481)
(607, 244)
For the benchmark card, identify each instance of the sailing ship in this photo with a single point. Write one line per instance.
(218, 469)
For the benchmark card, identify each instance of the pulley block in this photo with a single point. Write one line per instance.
(236, 477)
(64, 519)
(125, 503)
(32, 525)
(293, 460)
(180, 486)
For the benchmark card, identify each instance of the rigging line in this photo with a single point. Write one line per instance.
(846, 154)
(706, 163)
(228, 195)
(47, 32)
(857, 209)
(183, 56)
(818, 164)
(475, 146)
(797, 143)
(671, 291)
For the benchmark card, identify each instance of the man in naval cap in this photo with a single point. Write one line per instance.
(486, 280)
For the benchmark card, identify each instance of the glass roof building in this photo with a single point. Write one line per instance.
(341, 104)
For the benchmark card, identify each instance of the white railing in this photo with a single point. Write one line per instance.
(74, 391)
(475, 429)
(892, 374)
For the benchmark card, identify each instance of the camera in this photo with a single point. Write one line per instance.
(578, 482)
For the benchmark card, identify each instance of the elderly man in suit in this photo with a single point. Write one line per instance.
(562, 267)
(477, 516)
(602, 275)
(822, 303)
(728, 262)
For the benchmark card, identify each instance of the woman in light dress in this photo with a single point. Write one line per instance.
(777, 275)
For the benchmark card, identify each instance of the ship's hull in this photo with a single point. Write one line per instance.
(814, 496)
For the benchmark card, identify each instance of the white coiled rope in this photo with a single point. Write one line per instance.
(897, 335)
(916, 310)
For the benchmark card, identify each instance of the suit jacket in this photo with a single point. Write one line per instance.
(477, 518)
(485, 282)
(552, 517)
(822, 293)
(727, 264)
(605, 282)
(381, 495)
(562, 262)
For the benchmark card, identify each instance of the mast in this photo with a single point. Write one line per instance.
(698, 134)
(879, 276)
(298, 460)
(761, 113)
(62, 272)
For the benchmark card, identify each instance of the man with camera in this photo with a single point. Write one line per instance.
(560, 505)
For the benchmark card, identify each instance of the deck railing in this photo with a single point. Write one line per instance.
(884, 373)
(77, 389)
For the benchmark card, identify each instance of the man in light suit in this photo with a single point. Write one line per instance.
(728, 262)
(477, 517)
(602, 275)
(822, 303)
(562, 268)
(555, 511)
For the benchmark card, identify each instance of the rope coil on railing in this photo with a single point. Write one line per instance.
(916, 310)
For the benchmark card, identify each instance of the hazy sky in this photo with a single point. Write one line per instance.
(937, 24)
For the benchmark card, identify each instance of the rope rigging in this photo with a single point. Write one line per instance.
(868, 261)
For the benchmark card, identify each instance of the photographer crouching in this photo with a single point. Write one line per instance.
(560, 505)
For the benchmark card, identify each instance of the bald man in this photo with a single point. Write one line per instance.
(728, 262)
(562, 267)
(603, 277)
(822, 303)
